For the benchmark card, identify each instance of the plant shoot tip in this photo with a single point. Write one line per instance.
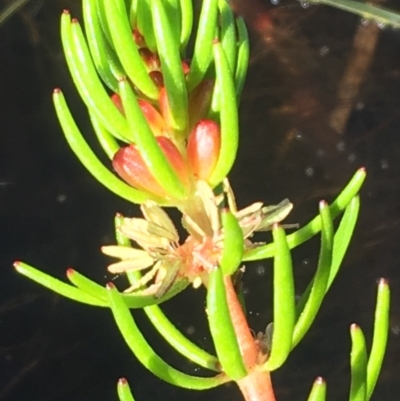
(17, 264)
(66, 11)
(75, 21)
(56, 91)
(319, 381)
(110, 286)
(122, 381)
(354, 327)
(383, 282)
(70, 271)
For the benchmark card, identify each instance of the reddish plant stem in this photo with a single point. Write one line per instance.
(256, 386)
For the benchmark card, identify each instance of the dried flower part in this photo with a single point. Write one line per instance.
(138, 38)
(130, 166)
(203, 149)
(151, 59)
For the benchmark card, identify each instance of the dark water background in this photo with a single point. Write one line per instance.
(54, 215)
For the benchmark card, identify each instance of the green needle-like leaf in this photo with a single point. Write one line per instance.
(284, 302)
(202, 55)
(309, 304)
(90, 160)
(314, 226)
(243, 54)
(365, 10)
(146, 355)
(187, 22)
(318, 391)
(233, 243)
(106, 140)
(168, 46)
(86, 80)
(57, 286)
(358, 363)
(98, 44)
(228, 117)
(221, 327)
(228, 33)
(343, 236)
(127, 51)
(178, 341)
(144, 23)
(147, 144)
(380, 337)
(124, 392)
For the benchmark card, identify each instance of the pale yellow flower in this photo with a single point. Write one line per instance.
(161, 252)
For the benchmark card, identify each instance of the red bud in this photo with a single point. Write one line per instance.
(130, 166)
(203, 148)
(153, 117)
(116, 99)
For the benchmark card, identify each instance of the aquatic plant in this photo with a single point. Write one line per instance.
(169, 127)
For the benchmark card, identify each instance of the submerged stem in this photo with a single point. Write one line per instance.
(256, 386)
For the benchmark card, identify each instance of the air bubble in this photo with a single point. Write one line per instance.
(298, 136)
(260, 270)
(365, 22)
(305, 4)
(320, 153)
(324, 50)
(351, 158)
(381, 25)
(309, 171)
(360, 106)
(190, 330)
(61, 198)
(341, 147)
(275, 2)
(305, 262)
(395, 329)
(384, 164)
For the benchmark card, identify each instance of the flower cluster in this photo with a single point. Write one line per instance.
(166, 259)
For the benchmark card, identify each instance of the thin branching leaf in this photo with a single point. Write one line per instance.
(243, 54)
(147, 144)
(228, 33)
(311, 301)
(314, 226)
(127, 51)
(168, 47)
(364, 10)
(284, 302)
(146, 355)
(178, 341)
(228, 117)
(233, 243)
(358, 364)
(380, 337)
(221, 327)
(98, 44)
(85, 154)
(187, 23)
(123, 390)
(66, 290)
(318, 391)
(202, 55)
(86, 80)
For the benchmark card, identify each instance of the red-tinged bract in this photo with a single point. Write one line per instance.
(203, 149)
(130, 166)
